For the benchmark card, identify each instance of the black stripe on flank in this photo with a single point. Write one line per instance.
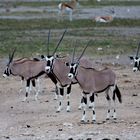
(103, 89)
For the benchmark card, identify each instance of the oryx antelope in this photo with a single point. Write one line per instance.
(94, 82)
(57, 67)
(68, 8)
(136, 60)
(22, 78)
(28, 70)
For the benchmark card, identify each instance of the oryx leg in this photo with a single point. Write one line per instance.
(27, 89)
(38, 89)
(84, 98)
(56, 93)
(109, 103)
(61, 94)
(22, 84)
(81, 104)
(114, 102)
(68, 98)
(92, 100)
(35, 88)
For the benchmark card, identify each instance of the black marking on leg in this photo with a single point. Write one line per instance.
(84, 100)
(60, 103)
(107, 97)
(113, 95)
(108, 110)
(61, 91)
(68, 103)
(28, 83)
(56, 89)
(26, 94)
(92, 98)
(33, 82)
(84, 112)
(69, 90)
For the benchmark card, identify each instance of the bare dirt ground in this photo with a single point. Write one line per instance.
(39, 121)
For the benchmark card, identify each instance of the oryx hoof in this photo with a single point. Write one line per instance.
(93, 121)
(24, 100)
(114, 118)
(107, 119)
(68, 110)
(57, 111)
(80, 108)
(83, 122)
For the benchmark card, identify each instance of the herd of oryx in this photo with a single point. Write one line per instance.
(66, 72)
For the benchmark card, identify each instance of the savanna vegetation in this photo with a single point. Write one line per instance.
(29, 36)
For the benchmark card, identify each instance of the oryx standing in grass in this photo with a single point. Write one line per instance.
(94, 82)
(28, 70)
(136, 60)
(68, 8)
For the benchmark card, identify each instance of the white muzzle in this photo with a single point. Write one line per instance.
(70, 76)
(47, 69)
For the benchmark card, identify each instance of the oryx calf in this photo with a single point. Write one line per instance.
(94, 82)
(28, 70)
(67, 8)
(136, 60)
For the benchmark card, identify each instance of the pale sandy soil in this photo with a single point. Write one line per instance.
(39, 121)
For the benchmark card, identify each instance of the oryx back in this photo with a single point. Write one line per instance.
(93, 81)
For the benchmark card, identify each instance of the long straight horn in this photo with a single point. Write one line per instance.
(48, 42)
(138, 50)
(84, 50)
(72, 60)
(59, 42)
(12, 56)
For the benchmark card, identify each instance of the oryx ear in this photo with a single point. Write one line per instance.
(131, 57)
(42, 56)
(67, 64)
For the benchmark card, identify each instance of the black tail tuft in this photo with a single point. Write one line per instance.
(118, 93)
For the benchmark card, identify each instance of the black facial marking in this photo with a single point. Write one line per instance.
(7, 71)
